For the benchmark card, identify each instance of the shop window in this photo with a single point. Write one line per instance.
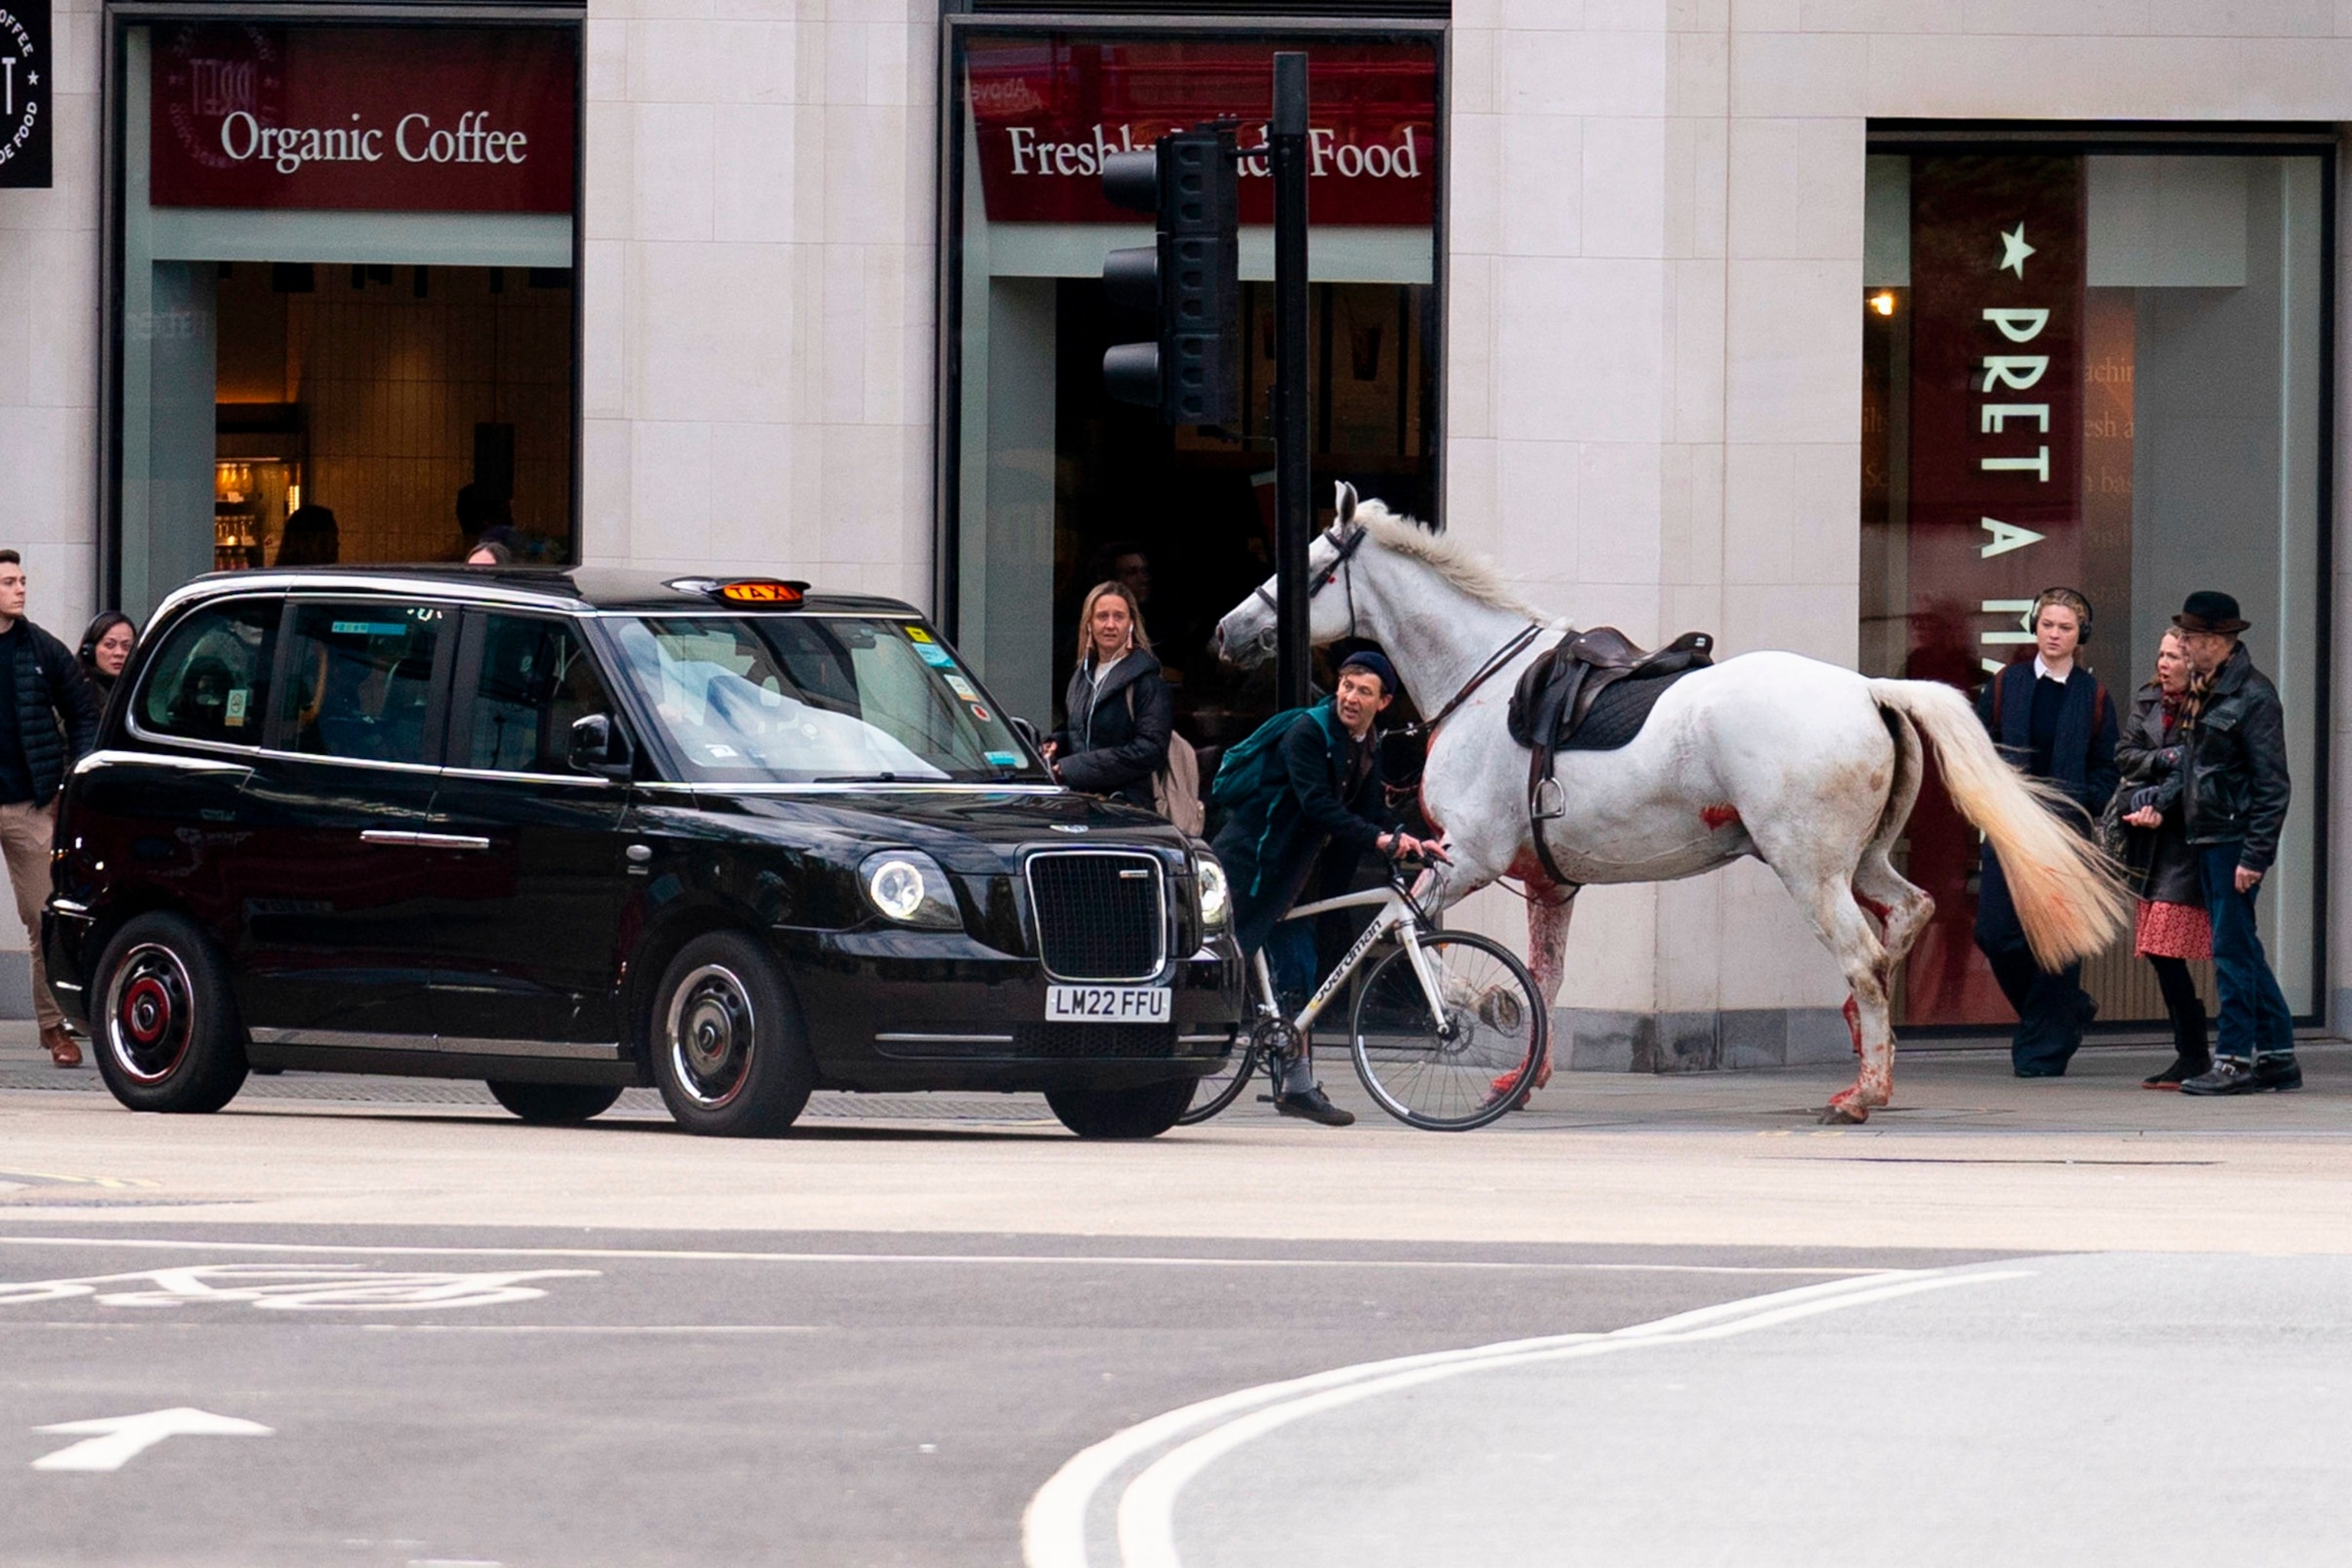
(345, 314)
(2105, 371)
(1051, 487)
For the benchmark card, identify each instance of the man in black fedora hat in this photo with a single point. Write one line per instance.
(2233, 790)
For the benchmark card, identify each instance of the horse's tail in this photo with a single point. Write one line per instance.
(2069, 893)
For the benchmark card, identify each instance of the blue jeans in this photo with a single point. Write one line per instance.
(1290, 961)
(2253, 1017)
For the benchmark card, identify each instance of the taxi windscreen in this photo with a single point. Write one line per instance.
(808, 698)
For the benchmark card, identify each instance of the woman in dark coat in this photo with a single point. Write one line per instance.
(2173, 927)
(105, 649)
(1119, 712)
(2056, 721)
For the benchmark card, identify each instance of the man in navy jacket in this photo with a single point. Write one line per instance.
(2054, 720)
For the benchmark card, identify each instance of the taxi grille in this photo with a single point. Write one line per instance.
(1066, 1041)
(1098, 919)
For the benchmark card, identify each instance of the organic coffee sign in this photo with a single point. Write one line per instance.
(1045, 112)
(374, 119)
(25, 112)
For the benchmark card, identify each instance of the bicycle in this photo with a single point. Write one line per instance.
(1446, 1029)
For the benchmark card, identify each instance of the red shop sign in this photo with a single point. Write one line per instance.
(1998, 273)
(1046, 111)
(377, 118)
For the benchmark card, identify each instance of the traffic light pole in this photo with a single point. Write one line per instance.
(1293, 507)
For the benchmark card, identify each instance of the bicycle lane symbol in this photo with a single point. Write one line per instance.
(292, 1288)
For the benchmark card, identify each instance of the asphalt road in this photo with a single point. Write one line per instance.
(699, 1399)
(2018, 1322)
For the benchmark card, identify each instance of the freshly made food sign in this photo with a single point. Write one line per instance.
(382, 119)
(1046, 112)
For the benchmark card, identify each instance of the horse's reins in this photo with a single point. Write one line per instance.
(1485, 672)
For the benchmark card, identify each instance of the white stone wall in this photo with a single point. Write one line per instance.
(1655, 333)
(49, 349)
(1652, 346)
(760, 240)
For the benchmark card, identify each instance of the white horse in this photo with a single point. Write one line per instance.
(1809, 767)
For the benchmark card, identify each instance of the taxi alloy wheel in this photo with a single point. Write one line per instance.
(729, 1052)
(165, 1027)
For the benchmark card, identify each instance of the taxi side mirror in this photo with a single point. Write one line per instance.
(1027, 731)
(599, 746)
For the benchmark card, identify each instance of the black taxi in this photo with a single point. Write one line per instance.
(571, 831)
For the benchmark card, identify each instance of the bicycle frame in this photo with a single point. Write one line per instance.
(1398, 913)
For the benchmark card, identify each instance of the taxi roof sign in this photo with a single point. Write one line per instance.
(761, 591)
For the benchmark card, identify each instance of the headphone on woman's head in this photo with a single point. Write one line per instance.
(2070, 598)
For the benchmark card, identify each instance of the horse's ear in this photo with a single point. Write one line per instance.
(1344, 503)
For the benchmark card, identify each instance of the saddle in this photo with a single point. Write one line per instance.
(1558, 693)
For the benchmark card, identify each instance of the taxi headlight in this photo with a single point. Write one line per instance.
(1211, 882)
(909, 887)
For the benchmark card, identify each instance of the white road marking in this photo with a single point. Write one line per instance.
(291, 1287)
(118, 1439)
(1023, 1259)
(1054, 1526)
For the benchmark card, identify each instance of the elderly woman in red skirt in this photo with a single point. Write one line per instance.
(2173, 925)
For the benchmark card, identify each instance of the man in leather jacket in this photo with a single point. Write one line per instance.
(2233, 788)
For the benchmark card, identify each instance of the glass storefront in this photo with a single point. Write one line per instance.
(2106, 370)
(345, 324)
(1049, 487)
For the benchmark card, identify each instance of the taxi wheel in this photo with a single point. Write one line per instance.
(1144, 1113)
(163, 1025)
(729, 1052)
(555, 1104)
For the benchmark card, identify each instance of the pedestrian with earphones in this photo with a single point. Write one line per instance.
(2053, 721)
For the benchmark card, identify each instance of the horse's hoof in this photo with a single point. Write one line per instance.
(1845, 1108)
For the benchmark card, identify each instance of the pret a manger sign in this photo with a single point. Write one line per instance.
(382, 119)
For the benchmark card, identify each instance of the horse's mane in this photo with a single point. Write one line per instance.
(1449, 557)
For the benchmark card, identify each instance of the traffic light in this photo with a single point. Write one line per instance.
(1190, 278)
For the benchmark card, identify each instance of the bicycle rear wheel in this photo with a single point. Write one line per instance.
(1222, 1088)
(1464, 1070)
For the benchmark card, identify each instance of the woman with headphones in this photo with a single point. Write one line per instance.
(2054, 720)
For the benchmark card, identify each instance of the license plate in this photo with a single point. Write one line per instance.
(1107, 1004)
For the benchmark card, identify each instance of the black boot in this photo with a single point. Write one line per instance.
(2192, 1057)
(1313, 1105)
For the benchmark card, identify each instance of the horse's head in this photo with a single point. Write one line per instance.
(1246, 636)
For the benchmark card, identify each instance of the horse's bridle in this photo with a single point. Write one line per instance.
(1338, 568)
(1341, 570)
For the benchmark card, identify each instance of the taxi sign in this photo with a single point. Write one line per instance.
(761, 591)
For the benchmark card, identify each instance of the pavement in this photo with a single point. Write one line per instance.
(1650, 1320)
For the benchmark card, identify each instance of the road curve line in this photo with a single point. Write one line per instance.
(1147, 1509)
(1053, 1527)
(1032, 1259)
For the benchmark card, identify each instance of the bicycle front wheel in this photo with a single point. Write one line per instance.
(1461, 1063)
(1222, 1088)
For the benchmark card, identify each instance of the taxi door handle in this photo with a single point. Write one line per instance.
(424, 840)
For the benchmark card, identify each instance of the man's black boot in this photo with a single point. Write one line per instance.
(2278, 1070)
(2228, 1075)
(1312, 1104)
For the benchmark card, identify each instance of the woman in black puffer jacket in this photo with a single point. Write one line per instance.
(1119, 712)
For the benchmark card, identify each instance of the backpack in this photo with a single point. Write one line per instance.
(1251, 770)
(1176, 788)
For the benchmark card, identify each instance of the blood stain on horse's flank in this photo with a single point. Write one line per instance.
(1721, 815)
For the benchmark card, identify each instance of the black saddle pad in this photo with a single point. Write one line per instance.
(1618, 713)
